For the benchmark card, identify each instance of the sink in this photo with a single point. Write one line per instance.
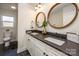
(34, 33)
(55, 41)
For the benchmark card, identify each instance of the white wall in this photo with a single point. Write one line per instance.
(25, 16)
(72, 28)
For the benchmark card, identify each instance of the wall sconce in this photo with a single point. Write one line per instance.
(36, 8)
(13, 7)
(39, 5)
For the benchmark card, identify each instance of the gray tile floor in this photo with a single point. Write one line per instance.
(12, 51)
(24, 53)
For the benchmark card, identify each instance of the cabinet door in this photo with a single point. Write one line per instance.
(27, 37)
(38, 51)
(28, 41)
(30, 47)
(33, 49)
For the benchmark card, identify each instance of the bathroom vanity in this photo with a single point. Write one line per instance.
(41, 45)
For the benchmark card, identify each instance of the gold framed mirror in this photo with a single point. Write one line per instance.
(40, 17)
(61, 15)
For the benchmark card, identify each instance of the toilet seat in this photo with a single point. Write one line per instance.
(6, 39)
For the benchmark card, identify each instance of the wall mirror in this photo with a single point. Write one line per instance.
(62, 15)
(40, 17)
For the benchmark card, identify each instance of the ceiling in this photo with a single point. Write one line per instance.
(7, 6)
(33, 5)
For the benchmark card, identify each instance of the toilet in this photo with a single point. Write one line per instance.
(7, 38)
(7, 41)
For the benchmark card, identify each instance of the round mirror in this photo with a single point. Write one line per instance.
(62, 15)
(40, 17)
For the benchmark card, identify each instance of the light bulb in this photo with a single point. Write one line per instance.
(39, 5)
(36, 8)
(13, 7)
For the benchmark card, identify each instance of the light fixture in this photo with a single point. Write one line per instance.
(36, 8)
(13, 7)
(39, 5)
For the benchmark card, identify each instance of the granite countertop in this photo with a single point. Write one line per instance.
(70, 48)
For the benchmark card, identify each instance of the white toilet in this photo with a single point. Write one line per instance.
(7, 38)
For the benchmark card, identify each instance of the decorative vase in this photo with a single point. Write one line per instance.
(44, 30)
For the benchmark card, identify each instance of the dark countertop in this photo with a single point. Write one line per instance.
(70, 48)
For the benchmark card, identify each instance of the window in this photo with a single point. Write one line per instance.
(8, 21)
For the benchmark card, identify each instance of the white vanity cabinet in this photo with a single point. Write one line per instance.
(32, 47)
(38, 48)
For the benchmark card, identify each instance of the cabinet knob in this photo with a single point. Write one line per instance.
(45, 54)
(28, 39)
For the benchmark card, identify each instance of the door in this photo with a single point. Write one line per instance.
(1, 35)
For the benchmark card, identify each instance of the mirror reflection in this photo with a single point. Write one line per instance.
(62, 15)
(40, 19)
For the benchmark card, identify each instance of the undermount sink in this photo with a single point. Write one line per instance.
(34, 33)
(55, 41)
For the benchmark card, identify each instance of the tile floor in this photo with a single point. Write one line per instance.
(12, 51)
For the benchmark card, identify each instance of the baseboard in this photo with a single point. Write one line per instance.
(19, 50)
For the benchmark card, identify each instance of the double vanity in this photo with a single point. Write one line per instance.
(60, 15)
(50, 44)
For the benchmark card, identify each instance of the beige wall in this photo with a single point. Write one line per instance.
(25, 16)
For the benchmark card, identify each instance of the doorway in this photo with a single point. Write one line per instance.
(8, 27)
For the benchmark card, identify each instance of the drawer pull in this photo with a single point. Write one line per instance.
(45, 54)
(28, 39)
